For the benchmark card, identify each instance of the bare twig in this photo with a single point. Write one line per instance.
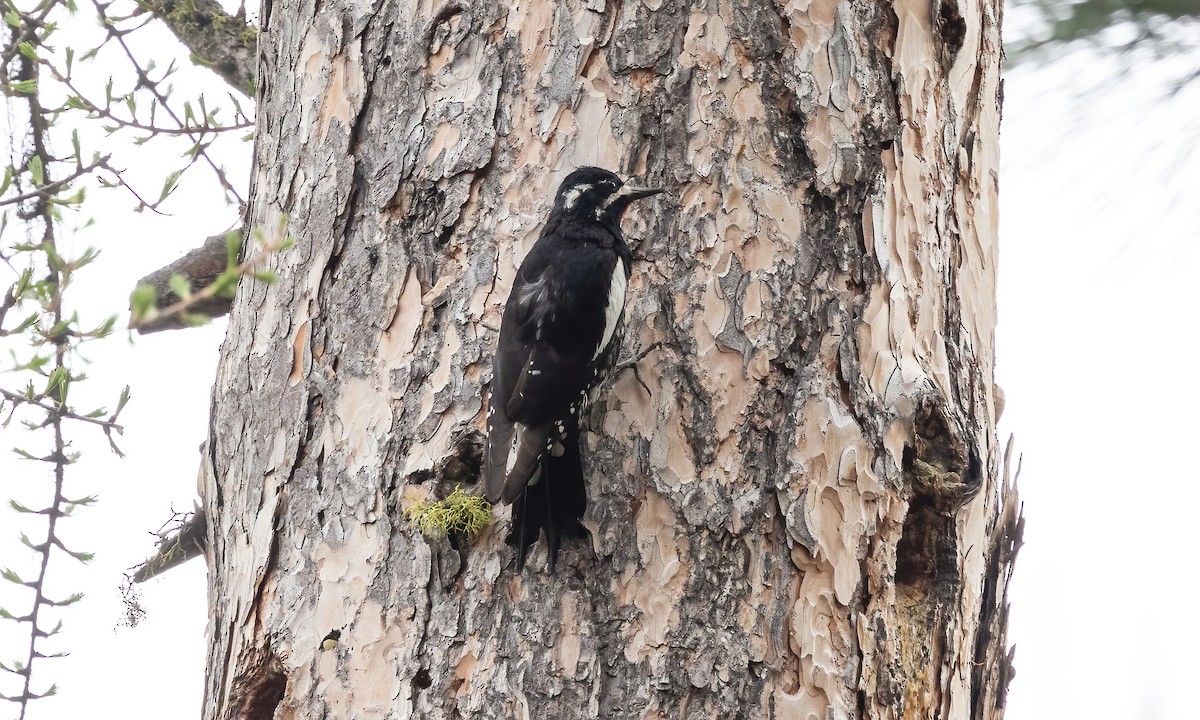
(107, 114)
(145, 81)
(186, 540)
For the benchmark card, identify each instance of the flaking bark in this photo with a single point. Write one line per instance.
(801, 514)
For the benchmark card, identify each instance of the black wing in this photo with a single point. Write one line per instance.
(545, 359)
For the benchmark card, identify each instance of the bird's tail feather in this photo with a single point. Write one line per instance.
(495, 455)
(531, 447)
(556, 503)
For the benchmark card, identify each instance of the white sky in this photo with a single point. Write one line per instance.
(1097, 349)
(1098, 341)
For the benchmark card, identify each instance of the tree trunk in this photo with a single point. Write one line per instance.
(797, 502)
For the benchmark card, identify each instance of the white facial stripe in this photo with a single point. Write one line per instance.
(573, 194)
(616, 302)
(622, 192)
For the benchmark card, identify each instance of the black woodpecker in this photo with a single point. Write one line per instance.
(559, 339)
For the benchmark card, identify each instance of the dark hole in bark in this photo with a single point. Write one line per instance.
(907, 457)
(422, 680)
(260, 691)
(822, 206)
(419, 477)
(463, 466)
(951, 25)
(925, 556)
(320, 517)
(915, 553)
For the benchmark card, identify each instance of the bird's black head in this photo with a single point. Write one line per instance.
(596, 194)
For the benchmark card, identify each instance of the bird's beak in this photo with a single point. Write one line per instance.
(637, 193)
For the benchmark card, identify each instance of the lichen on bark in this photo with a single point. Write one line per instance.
(226, 44)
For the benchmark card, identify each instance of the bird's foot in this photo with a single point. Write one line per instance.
(632, 364)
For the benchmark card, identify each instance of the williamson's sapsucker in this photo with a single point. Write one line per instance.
(559, 338)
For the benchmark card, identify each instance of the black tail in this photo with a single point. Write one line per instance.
(556, 502)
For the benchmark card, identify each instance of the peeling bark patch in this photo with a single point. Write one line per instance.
(400, 336)
(991, 668)
(360, 414)
(345, 85)
(921, 641)
(661, 566)
(444, 35)
(646, 36)
(299, 354)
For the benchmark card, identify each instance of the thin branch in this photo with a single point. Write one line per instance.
(59, 410)
(150, 85)
(43, 210)
(44, 191)
(107, 114)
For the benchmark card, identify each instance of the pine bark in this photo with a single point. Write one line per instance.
(798, 502)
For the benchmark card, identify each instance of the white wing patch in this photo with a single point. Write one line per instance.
(533, 293)
(616, 303)
(534, 296)
(515, 443)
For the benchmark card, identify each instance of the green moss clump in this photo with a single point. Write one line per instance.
(459, 513)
